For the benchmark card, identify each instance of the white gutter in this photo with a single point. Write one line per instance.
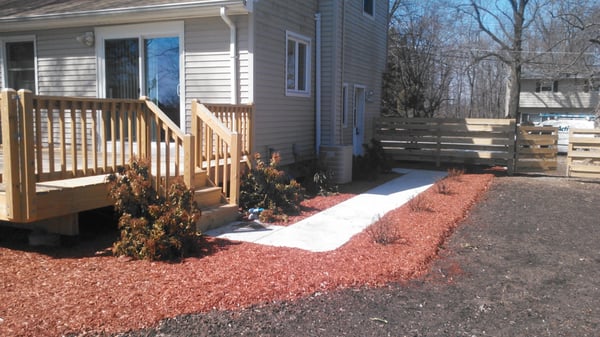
(232, 55)
(160, 12)
(318, 84)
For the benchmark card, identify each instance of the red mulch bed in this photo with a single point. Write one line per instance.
(53, 294)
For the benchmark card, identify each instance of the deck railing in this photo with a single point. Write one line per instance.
(47, 138)
(236, 117)
(219, 148)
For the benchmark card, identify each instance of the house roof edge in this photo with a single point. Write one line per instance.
(122, 15)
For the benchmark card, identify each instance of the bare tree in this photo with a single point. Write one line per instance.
(531, 32)
(418, 76)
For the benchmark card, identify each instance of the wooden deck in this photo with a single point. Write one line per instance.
(57, 151)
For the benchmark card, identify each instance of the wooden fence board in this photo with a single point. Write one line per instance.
(583, 157)
(536, 149)
(452, 140)
(469, 141)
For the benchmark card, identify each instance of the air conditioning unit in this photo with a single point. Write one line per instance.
(338, 160)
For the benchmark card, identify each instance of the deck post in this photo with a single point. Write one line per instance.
(10, 144)
(189, 169)
(234, 179)
(27, 160)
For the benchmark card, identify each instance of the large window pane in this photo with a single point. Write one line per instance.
(122, 68)
(162, 74)
(301, 67)
(368, 6)
(20, 61)
(291, 65)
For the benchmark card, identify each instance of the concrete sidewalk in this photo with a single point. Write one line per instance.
(333, 227)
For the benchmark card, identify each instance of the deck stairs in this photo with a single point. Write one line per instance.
(216, 211)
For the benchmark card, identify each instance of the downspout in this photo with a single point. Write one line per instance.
(318, 84)
(232, 55)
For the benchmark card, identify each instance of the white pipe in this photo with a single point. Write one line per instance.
(318, 84)
(232, 54)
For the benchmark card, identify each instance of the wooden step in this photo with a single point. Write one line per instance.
(200, 179)
(213, 217)
(208, 196)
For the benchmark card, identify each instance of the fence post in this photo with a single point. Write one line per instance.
(438, 130)
(10, 143)
(27, 161)
(513, 156)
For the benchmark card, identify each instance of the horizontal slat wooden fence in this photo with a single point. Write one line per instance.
(448, 140)
(583, 157)
(537, 149)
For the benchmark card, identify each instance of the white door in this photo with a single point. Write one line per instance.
(143, 60)
(358, 117)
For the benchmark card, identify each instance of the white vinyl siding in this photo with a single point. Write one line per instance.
(66, 67)
(285, 124)
(331, 70)
(570, 96)
(207, 60)
(364, 59)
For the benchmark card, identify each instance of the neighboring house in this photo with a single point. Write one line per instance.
(311, 68)
(564, 101)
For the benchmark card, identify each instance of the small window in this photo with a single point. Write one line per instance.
(297, 65)
(546, 86)
(20, 65)
(591, 85)
(369, 7)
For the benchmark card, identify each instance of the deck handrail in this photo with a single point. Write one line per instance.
(47, 138)
(236, 117)
(218, 147)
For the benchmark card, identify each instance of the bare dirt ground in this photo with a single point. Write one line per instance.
(525, 262)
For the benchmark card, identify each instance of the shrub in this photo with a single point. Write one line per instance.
(322, 182)
(455, 174)
(152, 227)
(419, 203)
(383, 232)
(443, 187)
(371, 163)
(314, 177)
(268, 187)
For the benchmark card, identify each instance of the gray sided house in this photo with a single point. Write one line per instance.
(311, 68)
(565, 101)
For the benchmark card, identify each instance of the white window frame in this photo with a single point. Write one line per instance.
(3, 60)
(141, 31)
(546, 86)
(367, 14)
(298, 39)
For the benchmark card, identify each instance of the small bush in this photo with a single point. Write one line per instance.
(266, 186)
(152, 227)
(419, 203)
(383, 232)
(373, 162)
(322, 181)
(442, 187)
(273, 215)
(455, 174)
(314, 177)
